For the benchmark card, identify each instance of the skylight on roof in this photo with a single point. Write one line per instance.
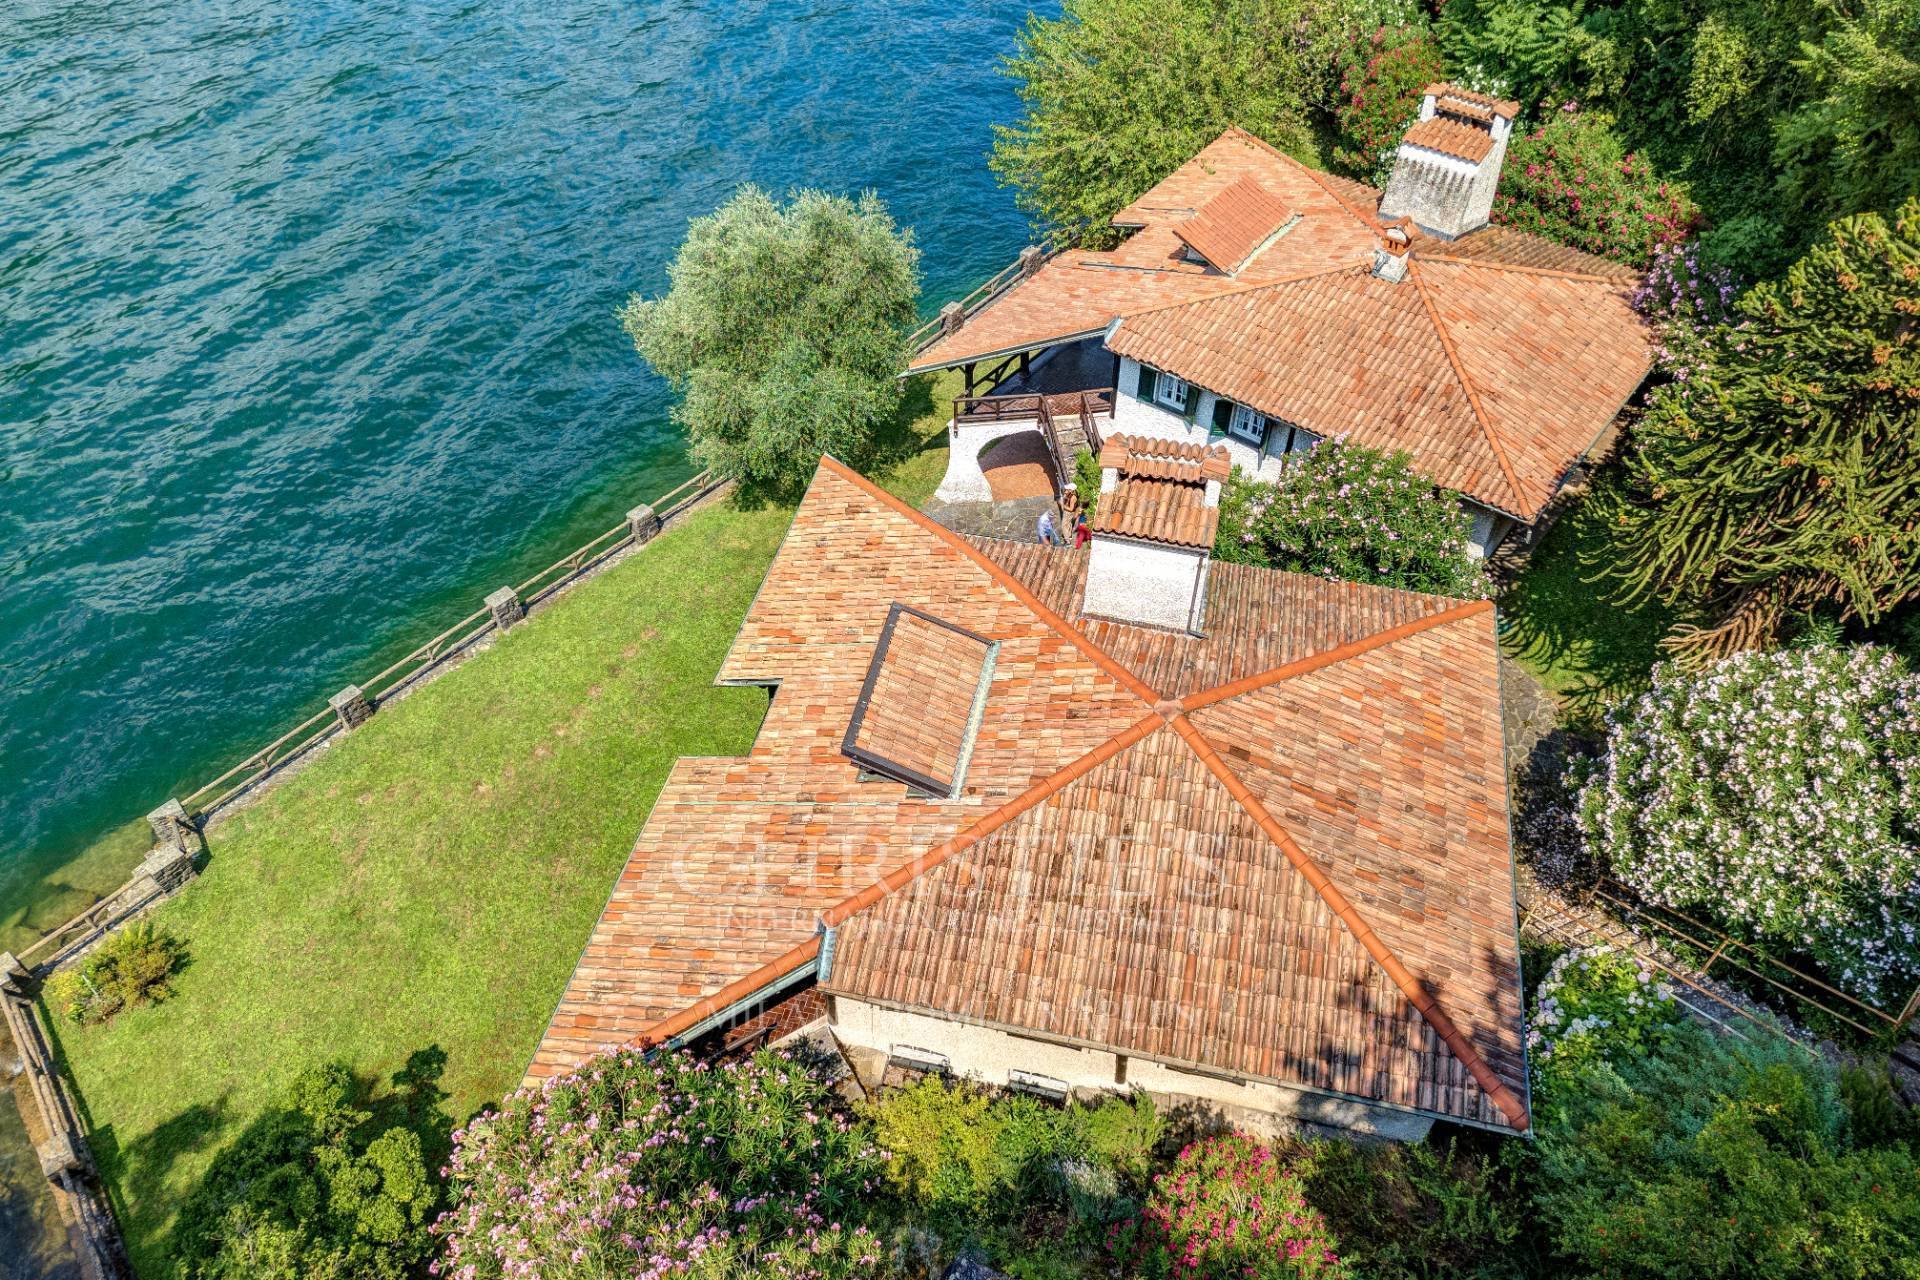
(921, 704)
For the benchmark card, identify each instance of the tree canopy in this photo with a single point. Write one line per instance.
(784, 332)
(1775, 473)
(1119, 93)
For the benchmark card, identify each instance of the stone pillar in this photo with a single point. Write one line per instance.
(506, 608)
(168, 866)
(1031, 259)
(13, 975)
(351, 706)
(952, 316)
(642, 523)
(169, 822)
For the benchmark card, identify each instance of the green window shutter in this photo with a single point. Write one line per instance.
(1222, 414)
(1146, 384)
(1192, 407)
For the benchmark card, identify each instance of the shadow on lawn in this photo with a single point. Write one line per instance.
(1564, 620)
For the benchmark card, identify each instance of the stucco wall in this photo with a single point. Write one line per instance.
(1143, 581)
(1135, 416)
(987, 1054)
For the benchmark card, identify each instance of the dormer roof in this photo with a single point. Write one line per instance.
(1233, 224)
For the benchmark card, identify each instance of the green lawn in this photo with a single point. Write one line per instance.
(1585, 647)
(429, 882)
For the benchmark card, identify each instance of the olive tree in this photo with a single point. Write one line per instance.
(783, 332)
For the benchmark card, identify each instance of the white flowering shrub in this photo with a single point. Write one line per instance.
(1593, 1003)
(1780, 793)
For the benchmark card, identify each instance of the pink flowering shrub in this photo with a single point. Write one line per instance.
(1227, 1210)
(1355, 514)
(1779, 792)
(1571, 181)
(1382, 79)
(642, 1170)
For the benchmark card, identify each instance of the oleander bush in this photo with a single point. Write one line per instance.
(1227, 1209)
(1779, 792)
(1356, 514)
(1573, 181)
(1594, 1004)
(132, 968)
(649, 1169)
(1384, 73)
(1716, 1158)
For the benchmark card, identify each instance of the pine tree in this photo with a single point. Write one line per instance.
(1779, 470)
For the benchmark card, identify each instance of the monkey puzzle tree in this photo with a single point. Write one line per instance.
(1776, 472)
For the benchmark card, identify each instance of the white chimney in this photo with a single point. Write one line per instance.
(1448, 166)
(1153, 531)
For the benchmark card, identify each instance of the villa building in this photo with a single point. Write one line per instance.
(1262, 305)
(1104, 819)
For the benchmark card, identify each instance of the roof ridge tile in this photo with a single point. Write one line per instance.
(1436, 1017)
(1473, 392)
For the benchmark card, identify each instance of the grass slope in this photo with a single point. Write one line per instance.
(429, 883)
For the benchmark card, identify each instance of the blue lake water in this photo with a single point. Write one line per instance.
(308, 333)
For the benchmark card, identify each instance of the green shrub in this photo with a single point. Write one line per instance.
(310, 1191)
(1227, 1209)
(1875, 1114)
(1355, 514)
(1383, 77)
(1594, 1004)
(1123, 1134)
(960, 1157)
(1421, 1211)
(1086, 480)
(1574, 182)
(132, 968)
(1713, 1158)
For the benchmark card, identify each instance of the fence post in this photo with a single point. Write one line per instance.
(952, 316)
(506, 608)
(13, 975)
(168, 866)
(169, 822)
(1031, 258)
(642, 523)
(350, 705)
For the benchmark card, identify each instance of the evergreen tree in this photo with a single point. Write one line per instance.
(1777, 472)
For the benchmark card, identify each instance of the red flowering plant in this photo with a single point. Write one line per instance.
(647, 1169)
(1383, 76)
(1227, 1210)
(1572, 181)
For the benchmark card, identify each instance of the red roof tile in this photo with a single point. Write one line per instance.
(1233, 223)
(1449, 137)
(1161, 490)
(1238, 947)
(1451, 97)
(917, 706)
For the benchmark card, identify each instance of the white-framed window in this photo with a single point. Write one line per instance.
(1171, 392)
(1247, 425)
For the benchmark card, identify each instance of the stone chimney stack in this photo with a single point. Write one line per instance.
(1448, 166)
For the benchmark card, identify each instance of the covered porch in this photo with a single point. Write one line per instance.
(1063, 394)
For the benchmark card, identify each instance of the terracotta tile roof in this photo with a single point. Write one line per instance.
(1233, 223)
(1450, 137)
(916, 709)
(1495, 379)
(1219, 933)
(1161, 491)
(1079, 292)
(1451, 97)
(1498, 246)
